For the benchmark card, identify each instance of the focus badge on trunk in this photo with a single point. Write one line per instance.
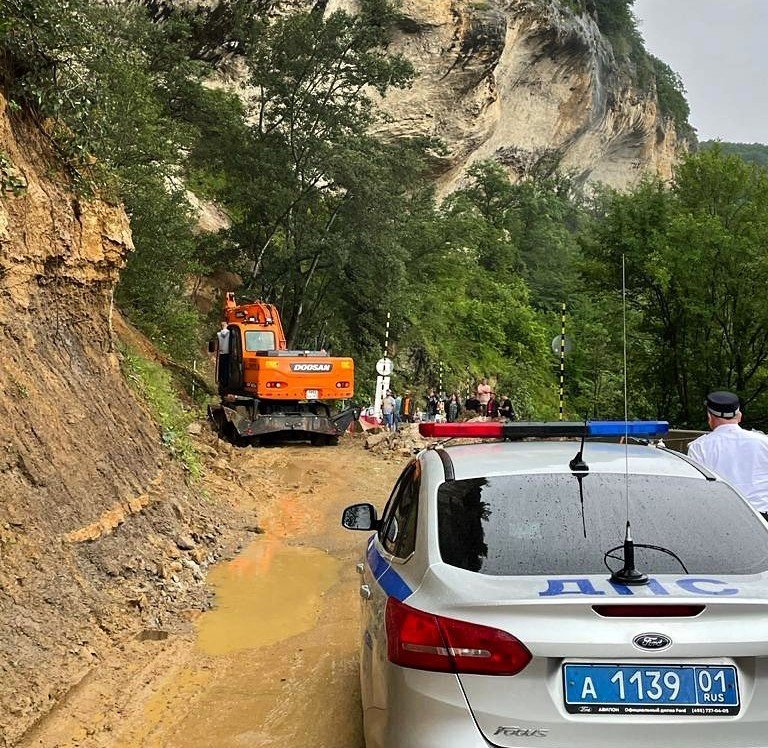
(652, 641)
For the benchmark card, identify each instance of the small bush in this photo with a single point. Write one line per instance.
(10, 178)
(154, 386)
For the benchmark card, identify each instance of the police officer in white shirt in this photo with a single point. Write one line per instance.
(735, 454)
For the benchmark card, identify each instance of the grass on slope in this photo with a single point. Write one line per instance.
(155, 387)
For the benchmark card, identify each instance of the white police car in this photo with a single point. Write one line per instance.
(491, 616)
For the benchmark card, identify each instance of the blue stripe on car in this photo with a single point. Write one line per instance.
(375, 560)
(391, 582)
(394, 585)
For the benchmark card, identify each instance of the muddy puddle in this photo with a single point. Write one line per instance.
(270, 592)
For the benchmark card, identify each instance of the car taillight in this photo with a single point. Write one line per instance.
(275, 385)
(424, 641)
(648, 611)
(342, 385)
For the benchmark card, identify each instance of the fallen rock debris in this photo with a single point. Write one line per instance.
(405, 441)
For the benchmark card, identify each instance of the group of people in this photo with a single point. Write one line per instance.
(449, 407)
(396, 408)
(442, 407)
(487, 404)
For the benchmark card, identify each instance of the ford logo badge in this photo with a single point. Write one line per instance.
(652, 641)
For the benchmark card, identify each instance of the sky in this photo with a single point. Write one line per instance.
(720, 49)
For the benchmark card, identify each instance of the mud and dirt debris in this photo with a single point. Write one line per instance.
(275, 661)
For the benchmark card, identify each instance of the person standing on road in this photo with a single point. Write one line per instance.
(406, 408)
(224, 337)
(483, 395)
(432, 401)
(492, 406)
(452, 410)
(506, 409)
(388, 411)
(737, 455)
(398, 410)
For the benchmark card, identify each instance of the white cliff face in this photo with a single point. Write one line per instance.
(525, 83)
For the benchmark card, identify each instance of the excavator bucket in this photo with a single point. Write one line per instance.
(344, 419)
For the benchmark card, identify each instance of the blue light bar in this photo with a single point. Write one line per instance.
(630, 428)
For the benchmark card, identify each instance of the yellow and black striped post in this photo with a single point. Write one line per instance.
(562, 360)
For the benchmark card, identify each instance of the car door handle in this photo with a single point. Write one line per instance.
(365, 591)
(359, 568)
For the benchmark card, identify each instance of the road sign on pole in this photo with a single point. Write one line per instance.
(383, 369)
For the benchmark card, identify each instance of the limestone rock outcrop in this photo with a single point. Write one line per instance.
(525, 83)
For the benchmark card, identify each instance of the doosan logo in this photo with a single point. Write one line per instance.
(311, 367)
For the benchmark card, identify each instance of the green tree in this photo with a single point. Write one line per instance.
(471, 307)
(755, 153)
(696, 270)
(312, 193)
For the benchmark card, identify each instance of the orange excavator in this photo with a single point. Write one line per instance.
(267, 390)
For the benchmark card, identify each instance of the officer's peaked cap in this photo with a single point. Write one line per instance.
(723, 404)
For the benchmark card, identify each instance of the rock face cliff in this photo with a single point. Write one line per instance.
(90, 503)
(527, 83)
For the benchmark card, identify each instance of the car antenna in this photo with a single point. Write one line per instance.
(580, 470)
(577, 464)
(628, 574)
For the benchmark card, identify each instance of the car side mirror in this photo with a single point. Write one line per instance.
(360, 517)
(211, 346)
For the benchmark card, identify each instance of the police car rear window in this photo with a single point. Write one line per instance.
(532, 524)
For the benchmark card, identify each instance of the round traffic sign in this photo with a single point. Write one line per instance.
(384, 367)
(567, 347)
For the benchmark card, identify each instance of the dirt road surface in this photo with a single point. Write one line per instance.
(275, 662)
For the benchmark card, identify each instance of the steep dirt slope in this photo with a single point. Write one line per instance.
(99, 534)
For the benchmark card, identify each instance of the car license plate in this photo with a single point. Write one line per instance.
(312, 394)
(701, 690)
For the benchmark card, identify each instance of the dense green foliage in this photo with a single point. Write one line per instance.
(340, 227)
(671, 95)
(754, 153)
(697, 268)
(487, 272)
